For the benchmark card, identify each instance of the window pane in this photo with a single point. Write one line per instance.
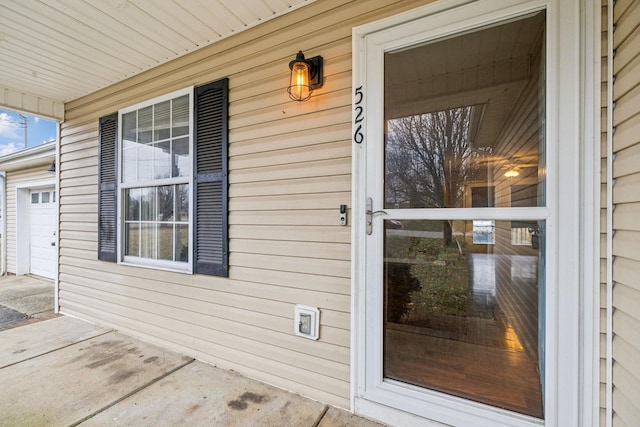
(483, 232)
(148, 241)
(452, 124)
(181, 164)
(521, 236)
(162, 120)
(129, 133)
(132, 239)
(182, 202)
(129, 161)
(145, 165)
(180, 116)
(463, 318)
(35, 198)
(483, 197)
(162, 160)
(165, 242)
(182, 242)
(132, 204)
(165, 203)
(45, 197)
(145, 124)
(148, 204)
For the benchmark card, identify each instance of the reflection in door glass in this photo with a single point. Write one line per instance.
(465, 116)
(462, 318)
(464, 300)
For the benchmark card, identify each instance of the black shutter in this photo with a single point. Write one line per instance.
(107, 149)
(211, 244)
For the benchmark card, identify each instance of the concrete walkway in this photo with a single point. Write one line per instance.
(24, 299)
(66, 372)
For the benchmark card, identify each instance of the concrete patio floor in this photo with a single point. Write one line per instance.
(63, 371)
(25, 299)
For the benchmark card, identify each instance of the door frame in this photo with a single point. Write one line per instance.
(571, 351)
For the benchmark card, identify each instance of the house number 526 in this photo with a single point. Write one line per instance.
(358, 136)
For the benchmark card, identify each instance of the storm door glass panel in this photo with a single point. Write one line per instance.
(464, 115)
(462, 318)
(464, 128)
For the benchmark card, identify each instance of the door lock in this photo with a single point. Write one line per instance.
(369, 214)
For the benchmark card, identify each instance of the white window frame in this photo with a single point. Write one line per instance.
(566, 400)
(175, 266)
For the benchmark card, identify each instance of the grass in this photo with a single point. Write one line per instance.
(425, 280)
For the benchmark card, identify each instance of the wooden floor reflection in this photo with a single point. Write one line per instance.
(503, 378)
(488, 359)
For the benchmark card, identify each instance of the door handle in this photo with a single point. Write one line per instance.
(369, 214)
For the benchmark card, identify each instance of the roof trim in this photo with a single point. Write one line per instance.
(17, 100)
(33, 156)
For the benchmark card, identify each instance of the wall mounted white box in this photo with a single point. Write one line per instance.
(306, 322)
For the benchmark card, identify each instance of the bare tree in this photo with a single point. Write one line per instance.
(428, 160)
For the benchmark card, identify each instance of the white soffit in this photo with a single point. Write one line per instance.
(55, 51)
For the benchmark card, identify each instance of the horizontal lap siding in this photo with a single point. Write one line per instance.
(626, 214)
(37, 174)
(289, 171)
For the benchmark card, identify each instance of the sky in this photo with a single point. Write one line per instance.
(39, 131)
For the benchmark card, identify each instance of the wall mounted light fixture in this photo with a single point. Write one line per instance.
(512, 173)
(52, 168)
(306, 76)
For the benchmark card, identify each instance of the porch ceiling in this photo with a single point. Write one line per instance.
(55, 51)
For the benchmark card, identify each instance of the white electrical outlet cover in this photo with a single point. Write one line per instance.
(313, 314)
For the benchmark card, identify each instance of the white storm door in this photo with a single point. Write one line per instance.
(42, 232)
(456, 124)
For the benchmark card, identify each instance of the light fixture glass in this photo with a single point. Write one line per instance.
(306, 75)
(299, 89)
(511, 173)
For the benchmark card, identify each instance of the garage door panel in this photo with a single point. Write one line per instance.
(42, 228)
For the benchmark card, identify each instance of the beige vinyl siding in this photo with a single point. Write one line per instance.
(520, 134)
(289, 171)
(626, 214)
(21, 178)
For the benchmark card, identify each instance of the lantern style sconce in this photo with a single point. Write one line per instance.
(512, 173)
(306, 75)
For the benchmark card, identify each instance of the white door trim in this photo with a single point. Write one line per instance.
(566, 368)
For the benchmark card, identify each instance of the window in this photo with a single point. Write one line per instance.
(483, 232)
(35, 198)
(155, 178)
(163, 182)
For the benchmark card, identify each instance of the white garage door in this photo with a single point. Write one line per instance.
(42, 230)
